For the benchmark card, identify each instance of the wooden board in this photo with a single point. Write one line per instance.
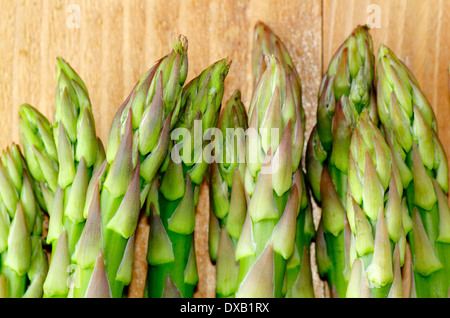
(111, 43)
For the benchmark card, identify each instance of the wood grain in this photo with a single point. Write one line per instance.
(117, 41)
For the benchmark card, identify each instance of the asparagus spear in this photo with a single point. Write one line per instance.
(23, 261)
(376, 213)
(228, 198)
(346, 90)
(137, 146)
(411, 130)
(63, 156)
(267, 239)
(171, 254)
(285, 234)
(265, 42)
(39, 149)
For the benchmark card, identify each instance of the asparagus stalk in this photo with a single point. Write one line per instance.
(23, 261)
(292, 275)
(228, 198)
(267, 239)
(79, 153)
(410, 127)
(39, 149)
(346, 90)
(63, 156)
(266, 42)
(274, 150)
(377, 215)
(171, 254)
(299, 279)
(298, 271)
(137, 146)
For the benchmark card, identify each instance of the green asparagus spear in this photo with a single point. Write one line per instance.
(376, 214)
(411, 130)
(23, 261)
(228, 198)
(346, 90)
(171, 253)
(137, 146)
(63, 156)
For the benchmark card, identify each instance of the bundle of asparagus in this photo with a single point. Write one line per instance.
(374, 163)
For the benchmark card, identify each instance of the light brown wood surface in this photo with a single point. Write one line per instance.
(117, 41)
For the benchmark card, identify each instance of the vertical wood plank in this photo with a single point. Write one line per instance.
(7, 58)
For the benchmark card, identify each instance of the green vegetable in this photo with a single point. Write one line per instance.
(273, 248)
(171, 254)
(23, 261)
(346, 90)
(137, 146)
(377, 215)
(410, 127)
(228, 197)
(63, 155)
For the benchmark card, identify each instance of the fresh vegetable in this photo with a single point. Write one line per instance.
(411, 131)
(273, 178)
(346, 90)
(23, 261)
(377, 215)
(137, 146)
(171, 251)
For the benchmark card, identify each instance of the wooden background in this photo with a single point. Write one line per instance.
(116, 41)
